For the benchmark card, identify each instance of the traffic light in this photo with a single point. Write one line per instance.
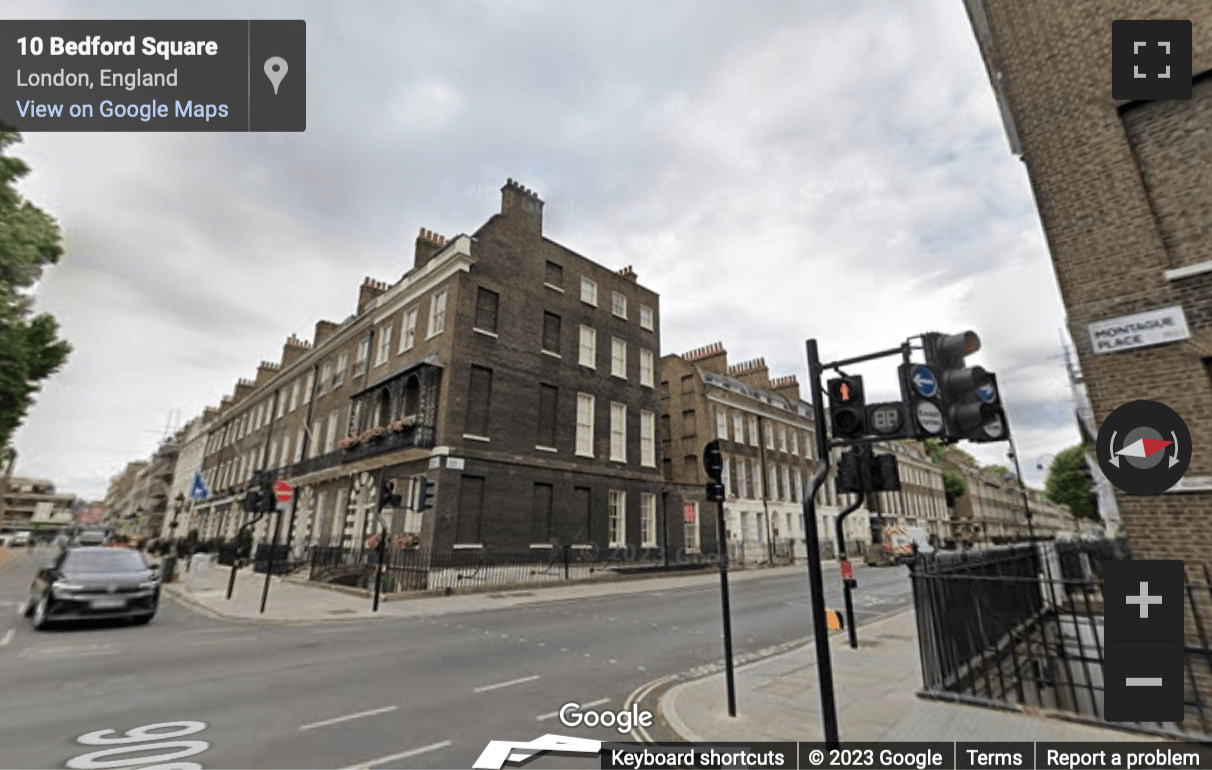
(713, 461)
(994, 427)
(848, 407)
(389, 498)
(267, 501)
(962, 409)
(252, 500)
(920, 390)
(885, 474)
(849, 473)
(425, 493)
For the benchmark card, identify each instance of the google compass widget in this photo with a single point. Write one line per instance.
(1144, 448)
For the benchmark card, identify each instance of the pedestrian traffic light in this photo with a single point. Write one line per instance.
(713, 461)
(425, 493)
(962, 409)
(389, 498)
(847, 407)
(252, 500)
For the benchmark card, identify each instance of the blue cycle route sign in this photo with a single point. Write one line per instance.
(198, 490)
(924, 381)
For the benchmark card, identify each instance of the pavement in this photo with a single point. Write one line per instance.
(778, 698)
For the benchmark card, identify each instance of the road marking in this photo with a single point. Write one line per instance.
(583, 705)
(401, 755)
(225, 640)
(486, 688)
(638, 731)
(7, 637)
(348, 717)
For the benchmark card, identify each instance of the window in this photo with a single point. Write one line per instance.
(769, 436)
(486, 310)
(724, 479)
(772, 483)
(273, 455)
(618, 432)
(646, 368)
(342, 365)
(757, 482)
(554, 277)
(721, 424)
(618, 357)
(551, 333)
(646, 317)
(782, 439)
(584, 425)
(309, 387)
(753, 431)
(618, 304)
(618, 519)
(384, 345)
(408, 330)
(479, 391)
(299, 440)
(589, 292)
(738, 429)
(260, 414)
(647, 440)
(547, 416)
(589, 347)
(363, 354)
(437, 314)
(281, 397)
(330, 442)
(314, 440)
(795, 443)
(285, 449)
(734, 488)
(471, 510)
(687, 383)
(325, 378)
(648, 530)
(691, 519)
(540, 512)
(689, 425)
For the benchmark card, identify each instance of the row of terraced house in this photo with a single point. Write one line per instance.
(528, 382)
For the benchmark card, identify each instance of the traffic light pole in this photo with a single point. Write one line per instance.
(722, 547)
(269, 568)
(848, 583)
(231, 582)
(824, 665)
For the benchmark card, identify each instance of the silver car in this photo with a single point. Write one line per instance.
(85, 583)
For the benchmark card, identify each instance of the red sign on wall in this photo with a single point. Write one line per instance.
(688, 511)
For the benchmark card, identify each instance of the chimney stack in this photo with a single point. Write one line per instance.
(788, 387)
(710, 358)
(753, 373)
(293, 350)
(628, 273)
(265, 372)
(428, 244)
(370, 291)
(324, 330)
(522, 207)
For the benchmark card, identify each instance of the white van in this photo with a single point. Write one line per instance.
(19, 539)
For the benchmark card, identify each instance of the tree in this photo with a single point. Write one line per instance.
(954, 485)
(29, 351)
(1068, 484)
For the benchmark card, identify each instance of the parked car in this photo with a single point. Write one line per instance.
(19, 539)
(94, 582)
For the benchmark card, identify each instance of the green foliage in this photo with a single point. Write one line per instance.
(954, 485)
(1067, 483)
(29, 351)
(934, 449)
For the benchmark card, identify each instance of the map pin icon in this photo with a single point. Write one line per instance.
(275, 70)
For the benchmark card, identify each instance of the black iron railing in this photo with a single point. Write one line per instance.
(1024, 625)
(461, 568)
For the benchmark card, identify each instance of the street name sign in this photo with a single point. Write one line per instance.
(1155, 327)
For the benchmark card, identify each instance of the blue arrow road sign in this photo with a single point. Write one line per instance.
(198, 490)
(986, 393)
(923, 380)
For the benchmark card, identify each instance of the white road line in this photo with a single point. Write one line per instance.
(348, 717)
(486, 688)
(639, 732)
(401, 755)
(8, 637)
(583, 705)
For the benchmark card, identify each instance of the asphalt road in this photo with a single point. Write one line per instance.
(429, 692)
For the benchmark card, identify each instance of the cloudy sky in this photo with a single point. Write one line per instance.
(776, 171)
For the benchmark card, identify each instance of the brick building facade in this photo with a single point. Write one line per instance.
(1123, 194)
(517, 374)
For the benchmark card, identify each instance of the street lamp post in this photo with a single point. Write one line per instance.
(1013, 455)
